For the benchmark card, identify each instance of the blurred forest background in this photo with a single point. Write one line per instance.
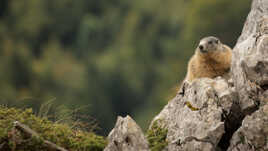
(104, 58)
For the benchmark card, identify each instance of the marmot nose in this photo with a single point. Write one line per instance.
(201, 47)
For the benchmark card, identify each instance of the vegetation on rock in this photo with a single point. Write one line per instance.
(156, 137)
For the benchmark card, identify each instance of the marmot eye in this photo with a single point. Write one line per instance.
(217, 41)
(201, 47)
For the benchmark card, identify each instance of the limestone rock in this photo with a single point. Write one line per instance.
(253, 134)
(250, 58)
(126, 136)
(199, 118)
(250, 75)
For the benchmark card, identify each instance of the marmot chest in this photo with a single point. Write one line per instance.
(209, 68)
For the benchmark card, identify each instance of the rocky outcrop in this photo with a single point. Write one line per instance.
(250, 73)
(250, 58)
(126, 136)
(253, 134)
(216, 114)
(201, 117)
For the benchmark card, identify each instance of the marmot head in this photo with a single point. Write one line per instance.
(209, 44)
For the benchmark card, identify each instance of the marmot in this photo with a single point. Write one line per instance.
(211, 59)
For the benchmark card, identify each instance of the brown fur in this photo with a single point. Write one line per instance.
(210, 64)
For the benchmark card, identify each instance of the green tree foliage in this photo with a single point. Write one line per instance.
(115, 57)
(221, 18)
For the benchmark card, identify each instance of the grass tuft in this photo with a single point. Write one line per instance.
(156, 137)
(60, 134)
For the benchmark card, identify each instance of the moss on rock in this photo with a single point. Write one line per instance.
(60, 134)
(156, 137)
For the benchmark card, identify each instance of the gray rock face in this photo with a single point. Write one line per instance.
(250, 58)
(126, 136)
(215, 114)
(250, 73)
(195, 118)
(253, 134)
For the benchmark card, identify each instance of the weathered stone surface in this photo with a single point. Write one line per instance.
(253, 134)
(250, 58)
(195, 118)
(250, 75)
(126, 136)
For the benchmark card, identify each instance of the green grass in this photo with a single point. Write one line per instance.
(60, 134)
(156, 137)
